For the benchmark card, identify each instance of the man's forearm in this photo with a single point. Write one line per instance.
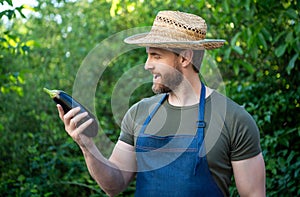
(106, 174)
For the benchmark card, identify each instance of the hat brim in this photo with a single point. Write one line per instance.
(146, 41)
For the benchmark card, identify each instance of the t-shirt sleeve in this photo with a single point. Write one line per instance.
(127, 127)
(245, 141)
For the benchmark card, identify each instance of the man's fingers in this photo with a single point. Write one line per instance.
(75, 122)
(78, 118)
(80, 128)
(84, 125)
(61, 112)
(68, 116)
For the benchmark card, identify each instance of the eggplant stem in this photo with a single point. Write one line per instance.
(52, 93)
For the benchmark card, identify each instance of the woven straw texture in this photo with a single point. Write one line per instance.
(174, 29)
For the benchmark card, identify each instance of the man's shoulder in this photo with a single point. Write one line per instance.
(219, 99)
(229, 110)
(233, 113)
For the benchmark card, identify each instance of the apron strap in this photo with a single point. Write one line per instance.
(152, 113)
(200, 127)
(200, 123)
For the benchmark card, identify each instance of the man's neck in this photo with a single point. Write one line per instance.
(187, 97)
(188, 93)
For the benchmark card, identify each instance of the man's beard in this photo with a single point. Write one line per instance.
(170, 81)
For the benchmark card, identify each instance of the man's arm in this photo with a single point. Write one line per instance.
(249, 175)
(112, 175)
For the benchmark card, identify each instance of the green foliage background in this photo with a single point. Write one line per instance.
(259, 65)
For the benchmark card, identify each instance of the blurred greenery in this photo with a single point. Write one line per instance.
(259, 65)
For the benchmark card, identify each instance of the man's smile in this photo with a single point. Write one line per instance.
(156, 77)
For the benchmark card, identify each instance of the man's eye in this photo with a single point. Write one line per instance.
(156, 56)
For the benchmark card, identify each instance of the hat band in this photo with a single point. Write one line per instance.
(198, 33)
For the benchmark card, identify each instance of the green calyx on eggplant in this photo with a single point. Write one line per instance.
(67, 103)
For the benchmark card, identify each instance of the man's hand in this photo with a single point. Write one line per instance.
(71, 120)
(112, 175)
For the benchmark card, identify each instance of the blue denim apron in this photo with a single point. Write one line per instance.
(176, 165)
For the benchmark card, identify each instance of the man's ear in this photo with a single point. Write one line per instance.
(187, 56)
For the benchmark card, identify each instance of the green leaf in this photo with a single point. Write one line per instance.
(291, 64)
(236, 69)
(297, 28)
(279, 36)
(279, 51)
(238, 49)
(262, 40)
(19, 9)
(297, 46)
(292, 14)
(266, 34)
(234, 39)
(21, 178)
(227, 53)
(289, 38)
(9, 13)
(254, 51)
(9, 2)
(250, 37)
(247, 5)
(226, 6)
(281, 161)
(201, 4)
(290, 157)
(250, 68)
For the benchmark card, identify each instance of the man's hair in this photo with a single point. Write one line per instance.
(196, 60)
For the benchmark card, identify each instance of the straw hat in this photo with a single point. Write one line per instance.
(174, 29)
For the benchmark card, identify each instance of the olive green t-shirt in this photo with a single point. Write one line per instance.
(231, 133)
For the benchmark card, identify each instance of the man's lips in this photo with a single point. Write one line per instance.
(156, 76)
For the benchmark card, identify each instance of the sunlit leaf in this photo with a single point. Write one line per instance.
(262, 40)
(289, 37)
(21, 178)
(238, 49)
(236, 69)
(9, 2)
(279, 51)
(227, 53)
(291, 64)
(234, 39)
(28, 7)
(226, 6)
(19, 9)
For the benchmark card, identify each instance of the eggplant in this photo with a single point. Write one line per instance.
(67, 103)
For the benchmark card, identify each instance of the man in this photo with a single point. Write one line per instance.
(187, 140)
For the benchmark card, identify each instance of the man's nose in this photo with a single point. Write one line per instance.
(148, 65)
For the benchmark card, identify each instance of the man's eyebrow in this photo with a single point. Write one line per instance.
(153, 53)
